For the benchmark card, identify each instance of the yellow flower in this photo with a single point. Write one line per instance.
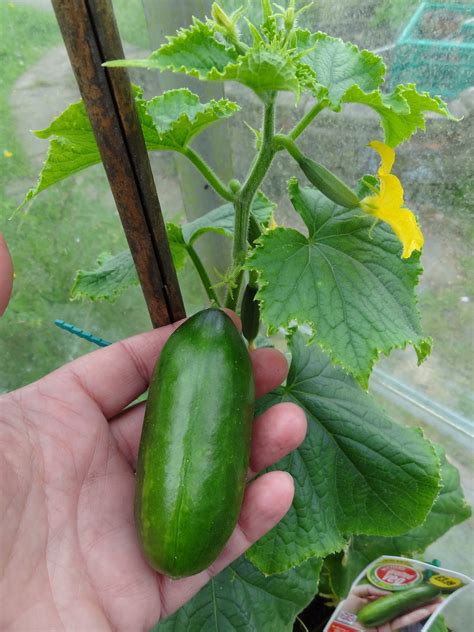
(387, 204)
(7, 153)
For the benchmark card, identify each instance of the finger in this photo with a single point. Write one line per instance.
(414, 617)
(270, 368)
(369, 592)
(276, 432)
(115, 376)
(126, 429)
(265, 503)
(6, 275)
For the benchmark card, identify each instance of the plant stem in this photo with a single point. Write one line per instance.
(244, 198)
(302, 624)
(307, 118)
(208, 173)
(206, 281)
(284, 141)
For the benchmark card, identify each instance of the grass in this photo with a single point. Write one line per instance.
(25, 35)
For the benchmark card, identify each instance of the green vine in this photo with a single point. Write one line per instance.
(308, 118)
(201, 270)
(208, 173)
(245, 196)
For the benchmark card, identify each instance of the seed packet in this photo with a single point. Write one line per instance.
(397, 593)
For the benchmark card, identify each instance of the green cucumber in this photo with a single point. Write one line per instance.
(250, 313)
(195, 443)
(392, 606)
(328, 183)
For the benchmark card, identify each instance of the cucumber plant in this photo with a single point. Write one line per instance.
(365, 486)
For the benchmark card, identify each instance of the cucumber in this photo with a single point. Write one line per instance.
(392, 606)
(250, 313)
(328, 183)
(194, 448)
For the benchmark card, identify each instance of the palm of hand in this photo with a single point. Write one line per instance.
(76, 502)
(72, 556)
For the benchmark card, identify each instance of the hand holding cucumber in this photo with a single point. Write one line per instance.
(71, 558)
(392, 611)
(361, 595)
(415, 616)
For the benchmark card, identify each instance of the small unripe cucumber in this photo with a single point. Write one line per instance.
(194, 450)
(329, 184)
(250, 313)
(392, 606)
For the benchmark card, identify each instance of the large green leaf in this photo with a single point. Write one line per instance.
(449, 510)
(401, 112)
(345, 74)
(265, 68)
(339, 65)
(112, 276)
(241, 599)
(357, 472)
(179, 115)
(349, 284)
(72, 149)
(194, 51)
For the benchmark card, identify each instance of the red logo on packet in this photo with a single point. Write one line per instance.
(340, 627)
(396, 574)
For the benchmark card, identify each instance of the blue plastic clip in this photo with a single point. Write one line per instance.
(86, 335)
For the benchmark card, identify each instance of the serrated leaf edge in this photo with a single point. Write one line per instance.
(362, 378)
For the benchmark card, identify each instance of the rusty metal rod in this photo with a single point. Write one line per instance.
(91, 37)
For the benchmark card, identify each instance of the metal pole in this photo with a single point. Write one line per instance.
(91, 37)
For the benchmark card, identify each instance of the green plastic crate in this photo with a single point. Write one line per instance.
(440, 63)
